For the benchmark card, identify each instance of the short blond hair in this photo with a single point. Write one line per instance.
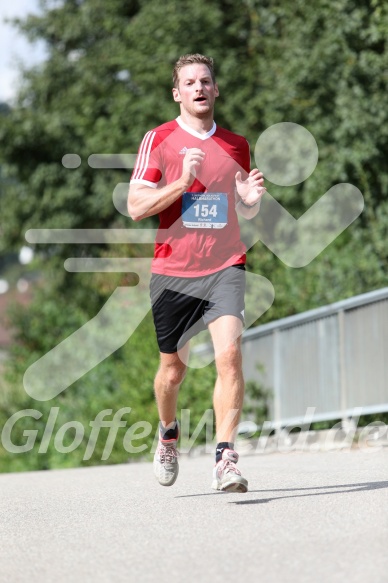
(191, 60)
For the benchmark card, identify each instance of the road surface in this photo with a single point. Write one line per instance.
(308, 517)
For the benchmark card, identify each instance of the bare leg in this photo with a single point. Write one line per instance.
(229, 388)
(167, 382)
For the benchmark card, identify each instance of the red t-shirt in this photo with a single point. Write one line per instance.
(199, 233)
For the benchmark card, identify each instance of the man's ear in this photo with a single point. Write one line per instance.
(216, 92)
(176, 94)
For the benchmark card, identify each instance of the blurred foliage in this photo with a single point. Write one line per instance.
(256, 403)
(105, 82)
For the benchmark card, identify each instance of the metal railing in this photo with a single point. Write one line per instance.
(330, 361)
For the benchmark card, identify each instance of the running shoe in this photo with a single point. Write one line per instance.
(166, 466)
(226, 476)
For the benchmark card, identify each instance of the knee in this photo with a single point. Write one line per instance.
(229, 362)
(174, 375)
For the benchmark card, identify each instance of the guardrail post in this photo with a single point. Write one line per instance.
(342, 364)
(277, 379)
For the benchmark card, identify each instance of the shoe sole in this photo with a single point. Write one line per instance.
(168, 483)
(232, 487)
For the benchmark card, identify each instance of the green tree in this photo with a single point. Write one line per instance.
(106, 81)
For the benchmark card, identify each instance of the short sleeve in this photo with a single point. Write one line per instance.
(148, 169)
(246, 157)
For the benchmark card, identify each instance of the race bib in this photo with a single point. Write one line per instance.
(205, 210)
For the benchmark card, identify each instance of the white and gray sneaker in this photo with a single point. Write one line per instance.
(226, 476)
(166, 466)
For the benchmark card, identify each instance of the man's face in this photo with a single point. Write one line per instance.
(196, 91)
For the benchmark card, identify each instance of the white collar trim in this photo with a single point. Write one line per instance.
(190, 130)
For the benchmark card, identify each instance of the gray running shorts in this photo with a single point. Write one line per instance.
(184, 306)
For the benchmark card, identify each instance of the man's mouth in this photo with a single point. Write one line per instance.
(200, 99)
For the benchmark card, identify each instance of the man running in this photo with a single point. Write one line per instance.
(196, 176)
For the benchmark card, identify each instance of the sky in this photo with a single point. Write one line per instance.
(14, 46)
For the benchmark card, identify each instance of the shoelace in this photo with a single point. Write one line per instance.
(167, 453)
(227, 466)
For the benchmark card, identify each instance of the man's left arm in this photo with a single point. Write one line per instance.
(249, 193)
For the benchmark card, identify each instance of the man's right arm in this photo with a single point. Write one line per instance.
(145, 201)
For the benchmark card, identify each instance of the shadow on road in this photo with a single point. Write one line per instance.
(330, 490)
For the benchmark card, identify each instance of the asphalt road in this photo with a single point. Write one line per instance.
(308, 517)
